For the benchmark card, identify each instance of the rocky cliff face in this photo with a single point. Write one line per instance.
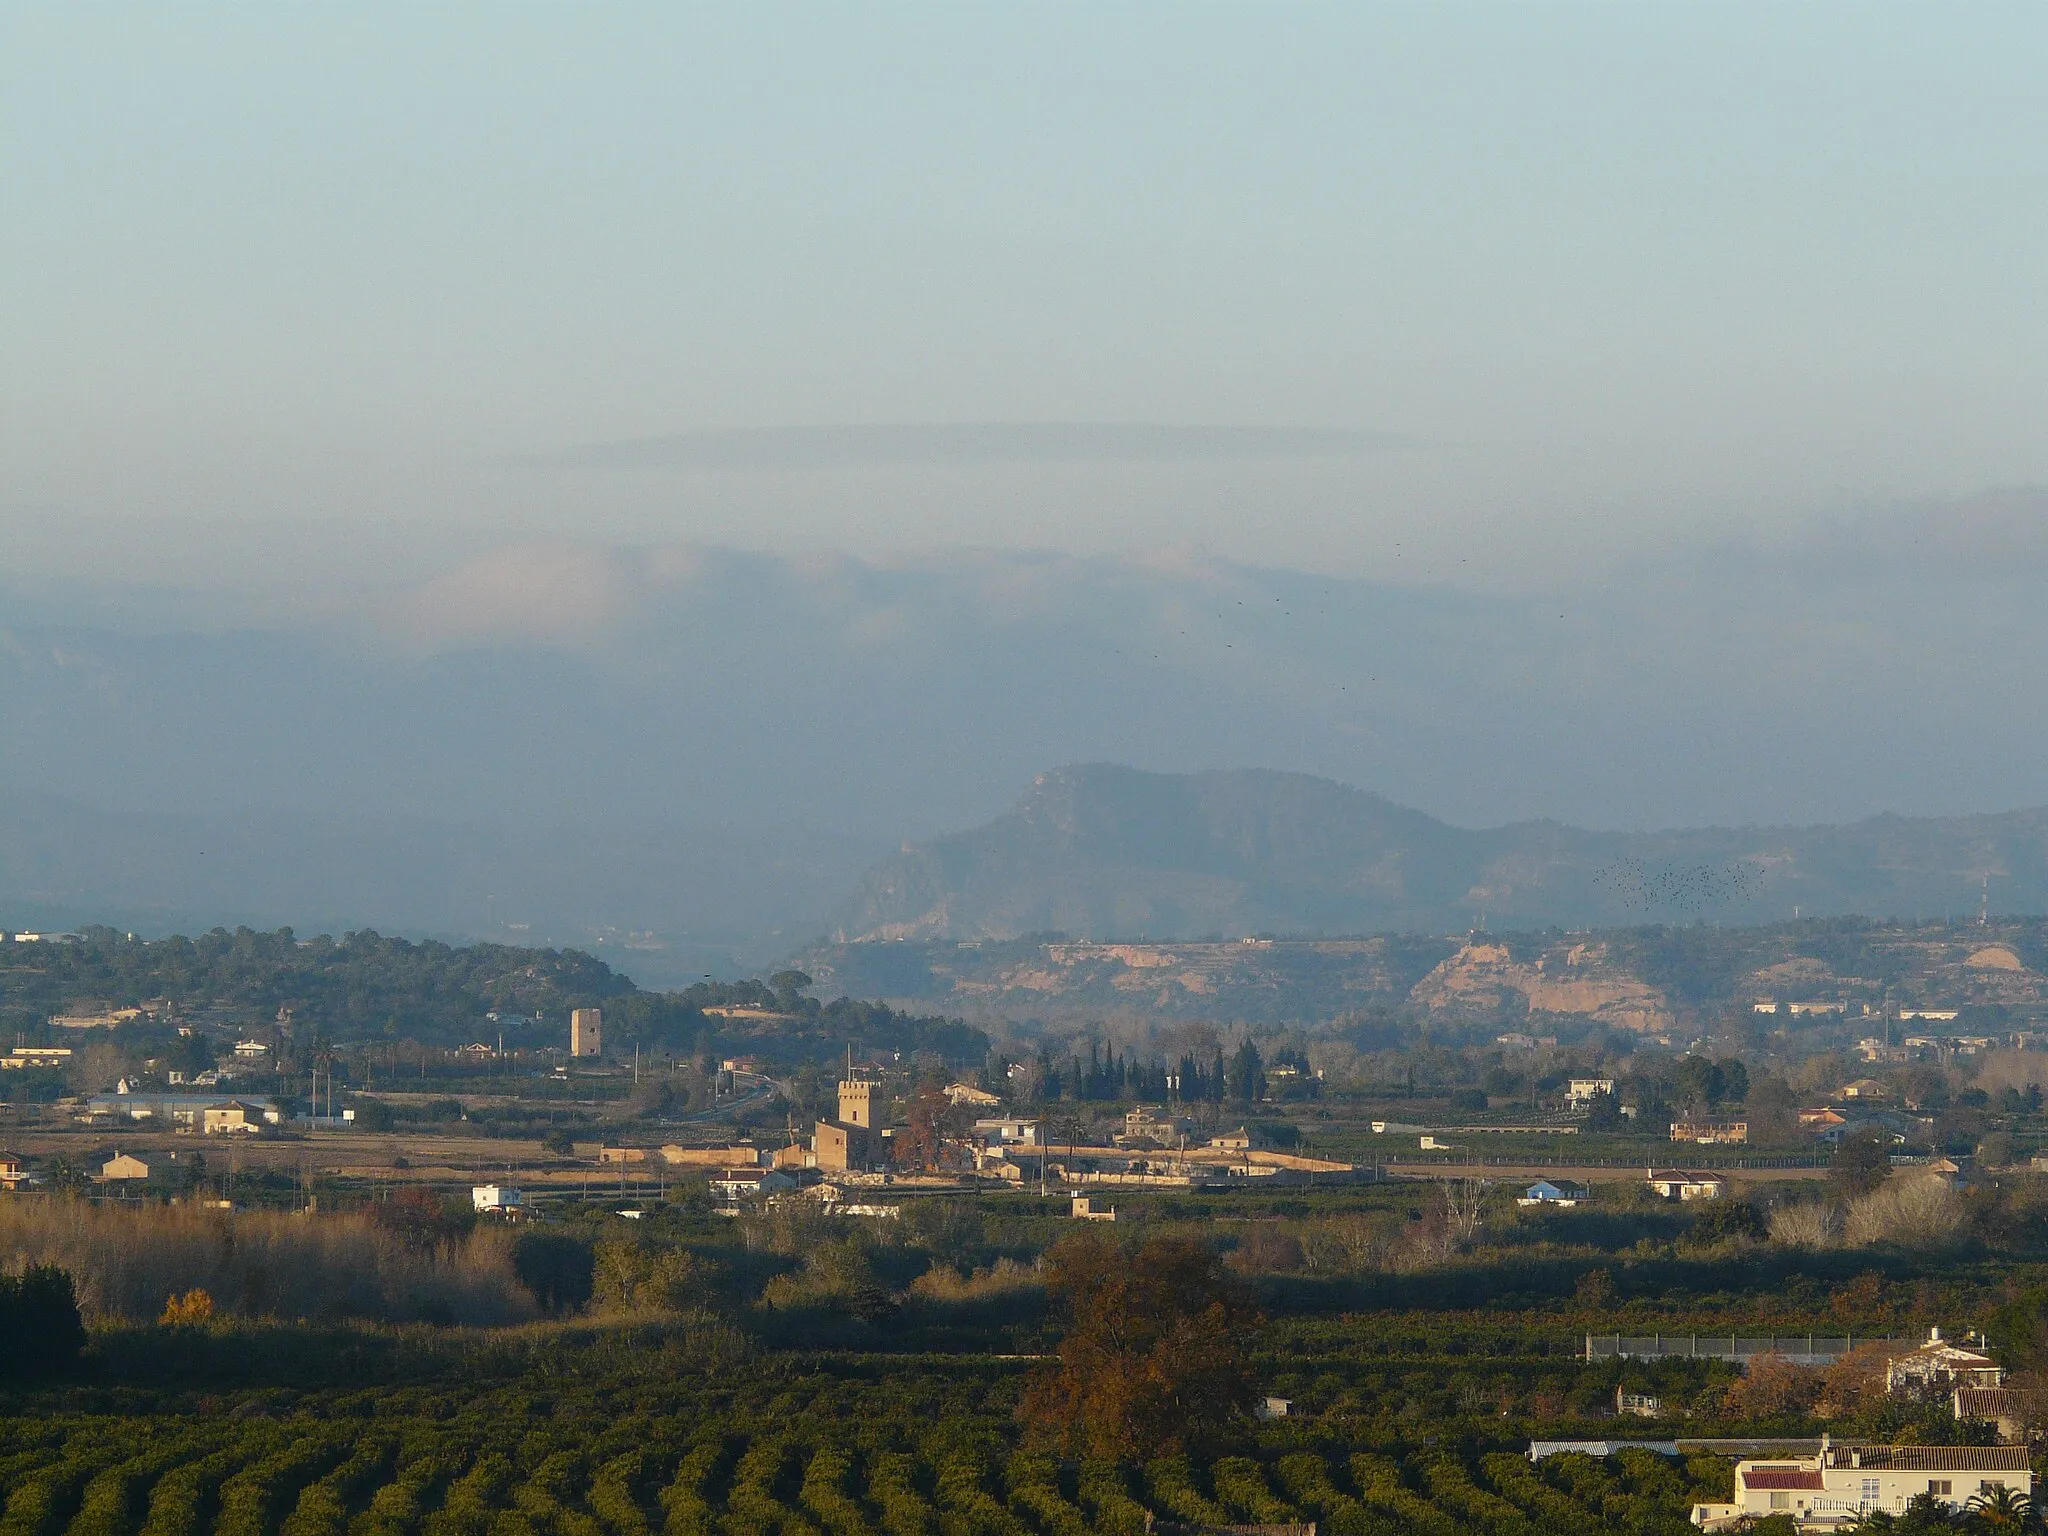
(1929, 978)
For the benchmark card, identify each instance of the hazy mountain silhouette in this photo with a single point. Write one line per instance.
(1111, 852)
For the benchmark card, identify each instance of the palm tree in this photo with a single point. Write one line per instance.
(2001, 1509)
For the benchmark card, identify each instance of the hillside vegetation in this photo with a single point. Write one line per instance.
(366, 985)
(1111, 852)
(1647, 979)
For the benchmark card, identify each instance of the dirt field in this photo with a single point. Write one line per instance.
(1502, 1173)
(432, 1159)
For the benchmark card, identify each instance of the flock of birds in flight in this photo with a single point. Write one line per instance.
(1681, 887)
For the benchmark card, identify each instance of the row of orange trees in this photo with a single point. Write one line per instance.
(494, 1472)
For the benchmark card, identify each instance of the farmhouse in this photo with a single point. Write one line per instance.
(1674, 1184)
(1845, 1482)
(1940, 1365)
(35, 1056)
(735, 1184)
(1560, 1192)
(1711, 1133)
(179, 1109)
(230, 1118)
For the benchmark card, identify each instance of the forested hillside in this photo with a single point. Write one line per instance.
(366, 985)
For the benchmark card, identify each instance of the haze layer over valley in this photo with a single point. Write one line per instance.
(702, 753)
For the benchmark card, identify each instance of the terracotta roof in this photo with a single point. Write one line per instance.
(1991, 1402)
(1754, 1477)
(1931, 1458)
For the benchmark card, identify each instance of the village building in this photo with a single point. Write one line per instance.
(839, 1148)
(1007, 1131)
(1711, 1133)
(971, 1096)
(1558, 1192)
(123, 1166)
(1845, 1482)
(1151, 1127)
(1676, 1184)
(25, 1056)
(231, 1118)
(2017, 1414)
(109, 1018)
(850, 1143)
(677, 1155)
(1581, 1091)
(496, 1198)
(733, 1185)
(857, 1103)
(1939, 1366)
(177, 1110)
(1863, 1089)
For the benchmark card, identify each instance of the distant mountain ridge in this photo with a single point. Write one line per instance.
(1103, 851)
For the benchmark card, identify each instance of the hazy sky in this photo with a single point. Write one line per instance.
(318, 293)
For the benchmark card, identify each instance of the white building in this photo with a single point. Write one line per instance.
(1581, 1090)
(178, 1109)
(1675, 1184)
(1941, 1366)
(1844, 1482)
(35, 1056)
(1008, 1132)
(496, 1197)
(733, 1185)
(1562, 1192)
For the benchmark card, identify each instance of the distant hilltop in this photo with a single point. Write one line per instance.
(1108, 852)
